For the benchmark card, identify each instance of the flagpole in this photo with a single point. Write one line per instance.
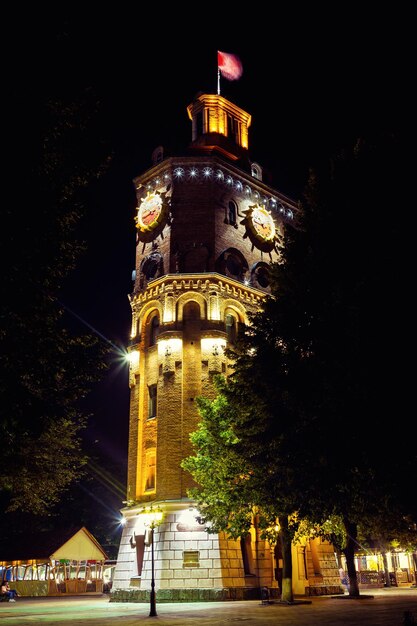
(218, 81)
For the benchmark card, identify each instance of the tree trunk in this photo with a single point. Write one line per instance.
(386, 570)
(285, 538)
(349, 551)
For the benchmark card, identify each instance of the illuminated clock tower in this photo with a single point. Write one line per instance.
(207, 228)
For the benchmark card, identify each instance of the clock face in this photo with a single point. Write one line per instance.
(261, 229)
(263, 223)
(149, 211)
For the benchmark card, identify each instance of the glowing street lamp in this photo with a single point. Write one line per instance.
(151, 519)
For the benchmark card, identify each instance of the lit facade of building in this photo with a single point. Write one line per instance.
(207, 228)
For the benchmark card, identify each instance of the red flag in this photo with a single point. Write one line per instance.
(229, 65)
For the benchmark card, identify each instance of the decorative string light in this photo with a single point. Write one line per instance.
(225, 178)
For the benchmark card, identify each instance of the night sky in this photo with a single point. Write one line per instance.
(311, 82)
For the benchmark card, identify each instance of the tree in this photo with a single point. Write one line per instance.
(307, 376)
(360, 375)
(46, 368)
(231, 489)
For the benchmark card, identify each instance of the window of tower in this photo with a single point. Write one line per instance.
(152, 266)
(150, 471)
(231, 328)
(256, 171)
(152, 395)
(232, 263)
(232, 213)
(247, 557)
(191, 311)
(153, 330)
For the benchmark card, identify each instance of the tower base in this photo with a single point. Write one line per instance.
(189, 564)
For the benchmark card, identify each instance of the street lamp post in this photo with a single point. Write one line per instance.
(152, 612)
(153, 519)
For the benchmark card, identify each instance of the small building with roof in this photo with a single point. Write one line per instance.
(54, 563)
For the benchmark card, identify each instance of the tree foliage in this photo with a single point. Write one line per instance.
(46, 367)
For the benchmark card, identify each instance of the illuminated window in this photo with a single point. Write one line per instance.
(150, 471)
(191, 558)
(152, 394)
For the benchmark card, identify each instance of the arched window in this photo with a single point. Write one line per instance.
(256, 171)
(232, 213)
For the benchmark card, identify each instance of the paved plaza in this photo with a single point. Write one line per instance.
(378, 607)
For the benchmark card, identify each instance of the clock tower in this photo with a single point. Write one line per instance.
(207, 228)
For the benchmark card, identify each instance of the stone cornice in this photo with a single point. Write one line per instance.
(180, 283)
